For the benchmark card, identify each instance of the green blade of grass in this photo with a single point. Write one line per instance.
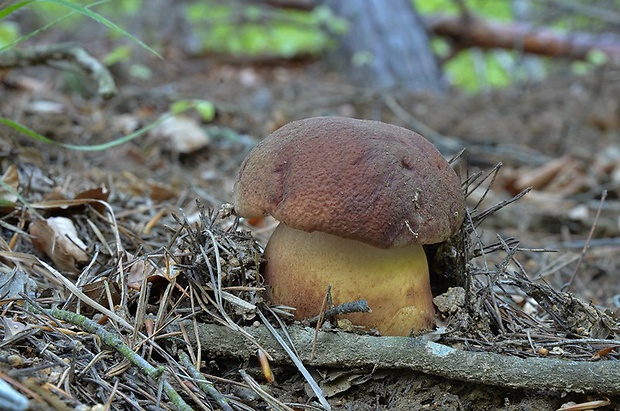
(43, 28)
(187, 105)
(76, 8)
(14, 7)
(95, 147)
(100, 19)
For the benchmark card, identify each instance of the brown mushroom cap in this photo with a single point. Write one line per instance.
(362, 180)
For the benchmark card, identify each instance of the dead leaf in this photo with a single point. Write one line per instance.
(160, 192)
(62, 205)
(46, 107)
(141, 268)
(338, 381)
(590, 405)
(540, 177)
(58, 239)
(136, 273)
(14, 283)
(30, 84)
(604, 352)
(97, 291)
(13, 328)
(126, 123)
(96, 195)
(181, 134)
(8, 189)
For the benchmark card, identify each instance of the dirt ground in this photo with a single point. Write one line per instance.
(560, 136)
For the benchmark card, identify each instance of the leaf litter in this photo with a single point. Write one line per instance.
(134, 258)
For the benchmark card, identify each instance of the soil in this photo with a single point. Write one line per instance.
(525, 127)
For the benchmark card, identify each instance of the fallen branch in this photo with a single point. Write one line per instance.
(346, 350)
(57, 54)
(487, 34)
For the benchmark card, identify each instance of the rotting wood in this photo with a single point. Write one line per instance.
(347, 350)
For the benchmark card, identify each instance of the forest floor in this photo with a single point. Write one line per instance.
(150, 254)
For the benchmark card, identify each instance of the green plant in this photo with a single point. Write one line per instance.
(475, 70)
(254, 30)
(9, 32)
(60, 11)
(204, 108)
(71, 9)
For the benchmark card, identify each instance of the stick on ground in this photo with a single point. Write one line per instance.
(68, 53)
(344, 350)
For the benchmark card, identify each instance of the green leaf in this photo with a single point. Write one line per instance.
(597, 57)
(9, 32)
(580, 68)
(100, 19)
(140, 71)
(282, 32)
(7, 11)
(206, 109)
(43, 28)
(118, 54)
(180, 106)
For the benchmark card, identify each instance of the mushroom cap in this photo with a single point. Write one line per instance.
(362, 180)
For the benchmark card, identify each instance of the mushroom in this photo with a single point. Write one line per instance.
(356, 200)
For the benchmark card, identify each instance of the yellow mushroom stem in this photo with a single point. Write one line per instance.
(395, 282)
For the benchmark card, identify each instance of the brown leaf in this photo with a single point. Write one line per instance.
(140, 269)
(61, 205)
(161, 192)
(540, 177)
(58, 239)
(590, 405)
(95, 194)
(10, 180)
(604, 352)
(13, 328)
(181, 135)
(30, 84)
(97, 291)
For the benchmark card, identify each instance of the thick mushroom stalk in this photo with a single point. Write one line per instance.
(394, 281)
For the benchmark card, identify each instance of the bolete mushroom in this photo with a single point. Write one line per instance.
(356, 200)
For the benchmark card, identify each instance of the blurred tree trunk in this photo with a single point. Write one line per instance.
(164, 25)
(386, 45)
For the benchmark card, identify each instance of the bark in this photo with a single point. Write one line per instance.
(386, 45)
